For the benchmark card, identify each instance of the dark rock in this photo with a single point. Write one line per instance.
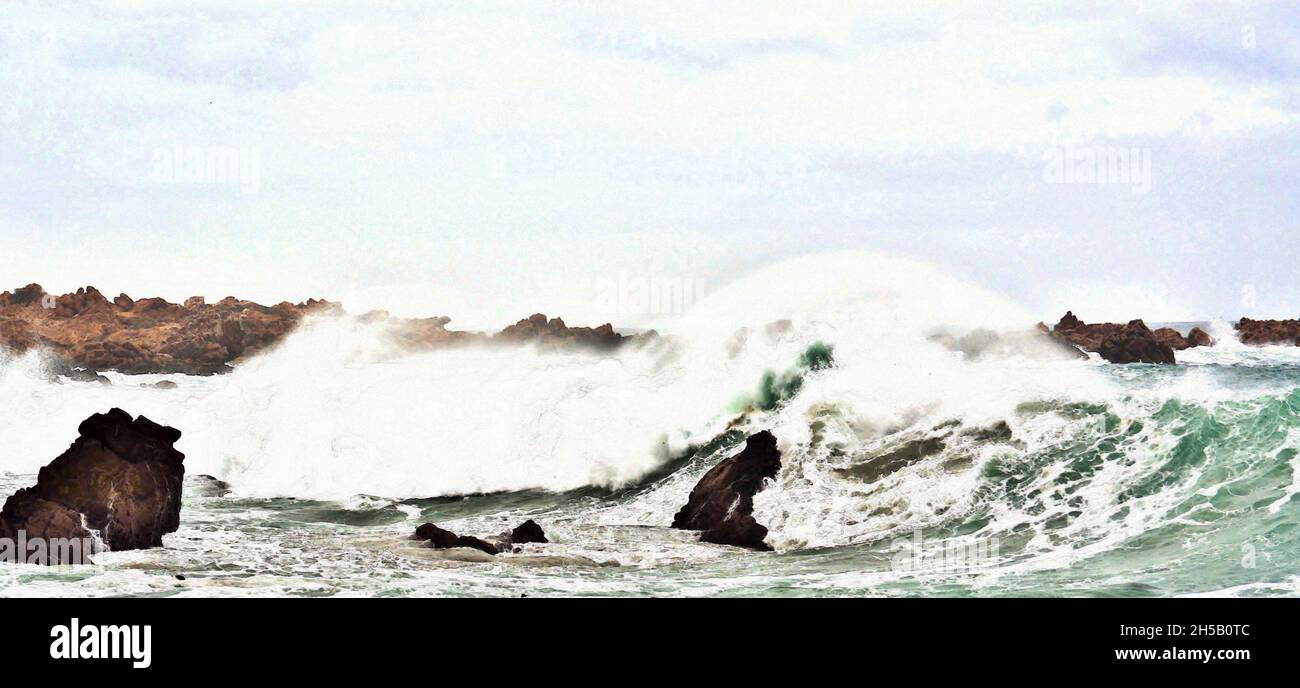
(1135, 344)
(722, 502)
(475, 543)
(161, 384)
(121, 479)
(440, 538)
(1069, 321)
(436, 536)
(527, 532)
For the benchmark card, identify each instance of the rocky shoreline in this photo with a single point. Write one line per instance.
(87, 333)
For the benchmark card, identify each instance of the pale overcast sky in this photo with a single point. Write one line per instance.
(486, 160)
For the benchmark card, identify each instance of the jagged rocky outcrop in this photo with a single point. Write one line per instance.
(119, 483)
(722, 503)
(441, 538)
(1130, 343)
(1265, 332)
(87, 333)
(86, 330)
(553, 333)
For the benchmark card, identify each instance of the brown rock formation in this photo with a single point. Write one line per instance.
(722, 503)
(1135, 343)
(87, 330)
(120, 481)
(1263, 332)
(1199, 337)
(553, 333)
(1131, 343)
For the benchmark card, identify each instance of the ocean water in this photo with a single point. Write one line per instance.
(908, 469)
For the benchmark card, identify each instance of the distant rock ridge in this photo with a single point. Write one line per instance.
(85, 330)
(1133, 342)
(1265, 332)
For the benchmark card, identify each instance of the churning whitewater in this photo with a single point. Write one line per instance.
(1047, 474)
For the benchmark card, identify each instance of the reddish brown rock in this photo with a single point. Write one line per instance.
(1171, 338)
(722, 502)
(120, 481)
(1199, 337)
(85, 329)
(553, 333)
(1264, 332)
(1130, 343)
(1135, 343)
(1177, 342)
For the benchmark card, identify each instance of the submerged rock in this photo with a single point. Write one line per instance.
(959, 445)
(120, 481)
(722, 502)
(527, 532)
(440, 538)
(890, 461)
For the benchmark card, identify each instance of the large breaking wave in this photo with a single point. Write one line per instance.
(1057, 457)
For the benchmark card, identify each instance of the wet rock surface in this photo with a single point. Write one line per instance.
(120, 482)
(1133, 342)
(721, 505)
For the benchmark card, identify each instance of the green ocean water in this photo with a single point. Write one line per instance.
(1183, 483)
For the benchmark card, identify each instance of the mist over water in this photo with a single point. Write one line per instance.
(1085, 475)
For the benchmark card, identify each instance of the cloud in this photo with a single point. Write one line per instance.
(391, 137)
